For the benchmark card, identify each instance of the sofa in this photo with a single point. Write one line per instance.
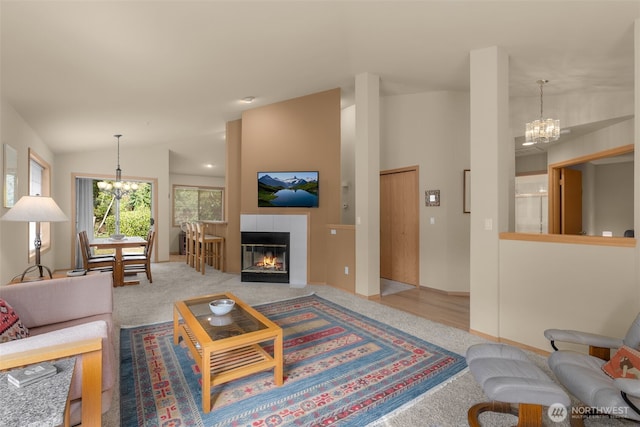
(66, 310)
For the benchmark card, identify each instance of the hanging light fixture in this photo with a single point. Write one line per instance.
(118, 189)
(543, 130)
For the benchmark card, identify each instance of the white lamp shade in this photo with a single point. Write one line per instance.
(35, 209)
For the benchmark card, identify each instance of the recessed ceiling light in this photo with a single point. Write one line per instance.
(248, 99)
(208, 165)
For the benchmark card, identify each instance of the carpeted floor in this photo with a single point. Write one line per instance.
(444, 407)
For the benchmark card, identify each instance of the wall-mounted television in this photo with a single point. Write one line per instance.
(297, 189)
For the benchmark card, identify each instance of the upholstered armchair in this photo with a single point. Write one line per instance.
(602, 382)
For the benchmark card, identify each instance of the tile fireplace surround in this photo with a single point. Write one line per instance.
(296, 226)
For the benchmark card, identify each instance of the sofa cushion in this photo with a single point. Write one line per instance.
(11, 328)
(625, 363)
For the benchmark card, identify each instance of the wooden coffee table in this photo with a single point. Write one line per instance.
(227, 347)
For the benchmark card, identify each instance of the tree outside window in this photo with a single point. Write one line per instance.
(192, 203)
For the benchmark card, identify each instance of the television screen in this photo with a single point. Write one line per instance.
(288, 189)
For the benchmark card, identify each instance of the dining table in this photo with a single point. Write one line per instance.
(118, 245)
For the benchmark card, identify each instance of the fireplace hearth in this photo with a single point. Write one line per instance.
(265, 257)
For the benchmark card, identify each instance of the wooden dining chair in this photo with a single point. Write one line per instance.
(141, 263)
(190, 244)
(91, 261)
(209, 249)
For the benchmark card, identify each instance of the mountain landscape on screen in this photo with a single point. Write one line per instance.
(288, 189)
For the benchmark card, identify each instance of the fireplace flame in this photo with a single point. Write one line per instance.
(268, 262)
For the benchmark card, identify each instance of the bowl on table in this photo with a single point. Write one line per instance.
(222, 306)
(117, 236)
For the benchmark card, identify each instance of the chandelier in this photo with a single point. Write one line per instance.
(543, 130)
(118, 189)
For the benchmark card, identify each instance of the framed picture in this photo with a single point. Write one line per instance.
(466, 192)
(432, 198)
(10, 169)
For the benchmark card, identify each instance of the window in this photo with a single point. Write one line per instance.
(192, 203)
(39, 184)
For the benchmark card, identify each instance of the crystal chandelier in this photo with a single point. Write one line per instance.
(543, 130)
(118, 189)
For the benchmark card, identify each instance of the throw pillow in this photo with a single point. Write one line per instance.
(625, 363)
(11, 328)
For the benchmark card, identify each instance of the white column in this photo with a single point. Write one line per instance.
(492, 165)
(636, 169)
(367, 188)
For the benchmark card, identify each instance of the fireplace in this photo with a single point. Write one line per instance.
(265, 257)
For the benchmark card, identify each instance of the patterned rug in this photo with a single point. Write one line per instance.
(340, 368)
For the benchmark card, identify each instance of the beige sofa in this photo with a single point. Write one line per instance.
(65, 310)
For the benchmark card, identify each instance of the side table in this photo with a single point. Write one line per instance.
(44, 403)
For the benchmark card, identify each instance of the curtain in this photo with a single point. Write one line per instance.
(84, 212)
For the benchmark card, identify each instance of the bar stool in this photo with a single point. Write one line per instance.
(209, 249)
(190, 238)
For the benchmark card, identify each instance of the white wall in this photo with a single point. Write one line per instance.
(559, 285)
(431, 130)
(14, 236)
(197, 180)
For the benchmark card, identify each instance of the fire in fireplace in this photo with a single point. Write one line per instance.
(265, 257)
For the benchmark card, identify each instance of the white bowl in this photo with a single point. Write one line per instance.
(221, 306)
(117, 236)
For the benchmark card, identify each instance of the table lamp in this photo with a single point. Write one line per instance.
(35, 209)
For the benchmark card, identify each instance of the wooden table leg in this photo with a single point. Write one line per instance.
(206, 381)
(176, 324)
(278, 371)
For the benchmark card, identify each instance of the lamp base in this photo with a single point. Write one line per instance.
(39, 268)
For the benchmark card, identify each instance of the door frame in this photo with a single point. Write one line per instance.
(154, 204)
(555, 175)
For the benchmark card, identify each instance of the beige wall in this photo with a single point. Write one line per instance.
(431, 130)
(232, 194)
(14, 245)
(298, 134)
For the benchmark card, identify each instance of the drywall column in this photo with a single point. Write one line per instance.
(367, 153)
(492, 164)
(636, 169)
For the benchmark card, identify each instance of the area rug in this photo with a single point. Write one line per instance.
(340, 368)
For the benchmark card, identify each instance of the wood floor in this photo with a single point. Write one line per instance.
(452, 310)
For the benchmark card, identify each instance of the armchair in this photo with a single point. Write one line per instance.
(582, 375)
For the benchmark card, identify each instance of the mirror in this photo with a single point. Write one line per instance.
(10, 175)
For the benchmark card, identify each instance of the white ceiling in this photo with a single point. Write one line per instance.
(172, 72)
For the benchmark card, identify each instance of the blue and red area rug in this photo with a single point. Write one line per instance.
(341, 368)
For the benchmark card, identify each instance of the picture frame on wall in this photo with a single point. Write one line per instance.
(466, 191)
(10, 170)
(432, 198)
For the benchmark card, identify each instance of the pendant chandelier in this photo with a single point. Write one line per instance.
(118, 189)
(542, 130)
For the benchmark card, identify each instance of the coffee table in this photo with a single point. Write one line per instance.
(227, 347)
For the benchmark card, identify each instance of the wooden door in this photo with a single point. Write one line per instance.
(399, 225)
(571, 201)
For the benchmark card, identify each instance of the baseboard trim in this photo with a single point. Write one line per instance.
(510, 342)
(448, 293)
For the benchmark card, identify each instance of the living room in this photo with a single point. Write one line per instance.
(513, 284)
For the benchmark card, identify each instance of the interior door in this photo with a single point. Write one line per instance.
(399, 226)
(571, 201)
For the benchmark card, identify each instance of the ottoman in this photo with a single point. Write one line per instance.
(513, 383)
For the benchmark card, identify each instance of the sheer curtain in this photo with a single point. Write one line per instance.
(84, 212)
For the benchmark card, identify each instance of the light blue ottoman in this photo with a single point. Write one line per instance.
(513, 383)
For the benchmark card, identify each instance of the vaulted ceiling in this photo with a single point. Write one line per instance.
(173, 72)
